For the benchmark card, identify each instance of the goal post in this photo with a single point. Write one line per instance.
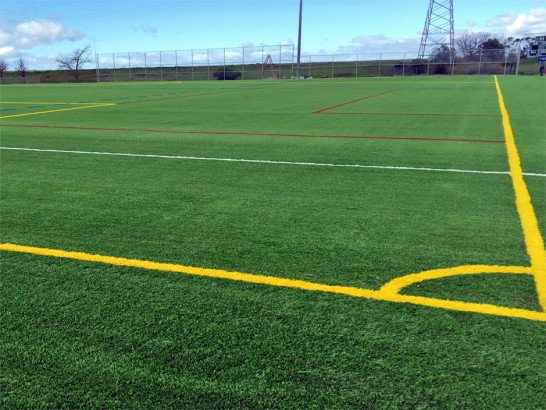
(268, 69)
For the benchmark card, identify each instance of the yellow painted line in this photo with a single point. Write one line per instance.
(533, 238)
(59, 110)
(283, 282)
(391, 290)
(49, 103)
(397, 284)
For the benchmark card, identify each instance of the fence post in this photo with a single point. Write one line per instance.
(428, 65)
(129, 62)
(114, 62)
(97, 66)
(518, 59)
(356, 68)
(192, 64)
(292, 69)
(480, 63)
(145, 67)
(380, 57)
(279, 76)
(243, 69)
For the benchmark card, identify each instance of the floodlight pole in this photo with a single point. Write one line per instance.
(299, 44)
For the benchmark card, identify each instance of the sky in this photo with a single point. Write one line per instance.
(41, 30)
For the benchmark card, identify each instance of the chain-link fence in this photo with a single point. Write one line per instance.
(270, 62)
(198, 64)
(406, 64)
(279, 62)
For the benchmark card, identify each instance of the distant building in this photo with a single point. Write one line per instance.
(537, 47)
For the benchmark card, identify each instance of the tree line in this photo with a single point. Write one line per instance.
(473, 46)
(73, 62)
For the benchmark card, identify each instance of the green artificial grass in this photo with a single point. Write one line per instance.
(81, 334)
(343, 228)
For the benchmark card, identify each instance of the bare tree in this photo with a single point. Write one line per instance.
(22, 68)
(3, 68)
(75, 61)
(470, 44)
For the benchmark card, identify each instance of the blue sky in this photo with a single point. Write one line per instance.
(40, 30)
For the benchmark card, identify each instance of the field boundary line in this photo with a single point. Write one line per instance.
(265, 161)
(533, 239)
(249, 133)
(396, 285)
(189, 96)
(352, 102)
(49, 103)
(411, 114)
(382, 295)
(95, 105)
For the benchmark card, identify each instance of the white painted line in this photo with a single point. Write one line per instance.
(262, 161)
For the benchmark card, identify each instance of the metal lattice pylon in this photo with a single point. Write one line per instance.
(439, 29)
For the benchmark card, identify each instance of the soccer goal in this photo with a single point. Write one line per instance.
(268, 69)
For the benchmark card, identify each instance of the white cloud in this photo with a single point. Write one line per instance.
(37, 61)
(503, 20)
(7, 51)
(378, 44)
(514, 24)
(233, 56)
(508, 24)
(29, 34)
(146, 29)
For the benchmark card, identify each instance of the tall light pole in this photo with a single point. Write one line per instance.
(299, 44)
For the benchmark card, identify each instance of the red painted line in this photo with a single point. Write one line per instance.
(352, 102)
(174, 98)
(414, 114)
(256, 134)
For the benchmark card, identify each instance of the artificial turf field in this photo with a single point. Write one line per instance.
(372, 243)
